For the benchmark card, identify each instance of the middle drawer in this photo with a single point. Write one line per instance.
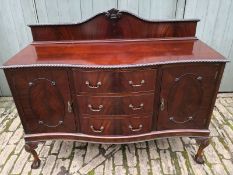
(116, 105)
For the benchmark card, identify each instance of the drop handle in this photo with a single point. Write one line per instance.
(162, 104)
(181, 122)
(100, 107)
(92, 86)
(136, 108)
(135, 129)
(50, 126)
(199, 78)
(97, 130)
(69, 107)
(136, 85)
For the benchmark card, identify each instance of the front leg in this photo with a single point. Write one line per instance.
(30, 147)
(204, 142)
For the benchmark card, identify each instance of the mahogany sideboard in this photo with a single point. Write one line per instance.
(115, 78)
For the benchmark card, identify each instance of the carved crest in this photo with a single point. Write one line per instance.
(113, 14)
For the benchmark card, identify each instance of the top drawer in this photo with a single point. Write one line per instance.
(105, 81)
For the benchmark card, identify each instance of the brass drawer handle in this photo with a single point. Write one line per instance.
(136, 85)
(31, 83)
(135, 129)
(136, 108)
(179, 122)
(69, 107)
(162, 104)
(97, 130)
(93, 87)
(95, 110)
(50, 126)
(199, 78)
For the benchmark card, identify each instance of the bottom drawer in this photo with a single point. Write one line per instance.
(116, 125)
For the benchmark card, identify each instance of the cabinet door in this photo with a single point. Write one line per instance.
(43, 96)
(186, 96)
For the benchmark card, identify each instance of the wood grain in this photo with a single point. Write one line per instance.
(80, 10)
(116, 105)
(117, 54)
(172, 84)
(34, 103)
(130, 80)
(195, 87)
(125, 26)
(116, 126)
(118, 139)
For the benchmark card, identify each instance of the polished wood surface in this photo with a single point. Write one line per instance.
(118, 79)
(30, 148)
(204, 142)
(115, 126)
(109, 81)
(118, 139)
(43, 96)
(114, 24)
(116, 105)
(194, 86)
(116, 53)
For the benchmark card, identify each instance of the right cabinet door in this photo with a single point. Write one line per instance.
(186, 96)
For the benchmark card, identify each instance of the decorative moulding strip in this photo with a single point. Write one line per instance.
(113, 40)
(120, 139)
(112, 66)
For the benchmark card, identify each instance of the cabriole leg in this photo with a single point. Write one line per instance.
(30, 147)
(203, 142)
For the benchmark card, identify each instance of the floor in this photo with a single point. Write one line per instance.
(163, 156)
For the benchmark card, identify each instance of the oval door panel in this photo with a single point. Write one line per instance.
(184, 98)
(46, 102)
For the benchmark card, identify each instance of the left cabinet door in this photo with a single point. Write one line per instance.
(43, 99)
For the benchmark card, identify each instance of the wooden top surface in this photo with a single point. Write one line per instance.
(114, 53)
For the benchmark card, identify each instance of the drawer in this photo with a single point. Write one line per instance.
(116, 105)
(116, 126)
(114, 81)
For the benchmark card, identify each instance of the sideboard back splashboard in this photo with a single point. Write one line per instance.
(115, 78)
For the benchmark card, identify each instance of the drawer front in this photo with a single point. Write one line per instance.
(114, 81)
(136, 81)
(116, 126)
(116, 105)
